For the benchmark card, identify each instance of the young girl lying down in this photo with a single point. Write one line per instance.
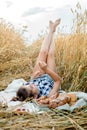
(44, 80)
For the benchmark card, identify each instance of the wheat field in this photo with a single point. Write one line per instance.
(17, 61)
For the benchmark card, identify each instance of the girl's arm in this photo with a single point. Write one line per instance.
(55, 89)
(53, 74)
(55, 77)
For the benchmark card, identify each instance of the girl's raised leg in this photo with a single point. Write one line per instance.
(43, 52)
(51, 54)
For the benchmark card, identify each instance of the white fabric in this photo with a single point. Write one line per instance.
(10, 91)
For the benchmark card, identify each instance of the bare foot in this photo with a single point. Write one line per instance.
(53, 26)
(57, 22)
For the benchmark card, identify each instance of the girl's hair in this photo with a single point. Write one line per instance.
(22, 94)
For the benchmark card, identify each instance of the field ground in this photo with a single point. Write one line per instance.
(17, 61)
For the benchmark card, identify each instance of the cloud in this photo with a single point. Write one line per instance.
(8, 3)
(33, 11)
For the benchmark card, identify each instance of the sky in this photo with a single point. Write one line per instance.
(35, 15)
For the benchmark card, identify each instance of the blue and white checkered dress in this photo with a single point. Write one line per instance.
(44, 83)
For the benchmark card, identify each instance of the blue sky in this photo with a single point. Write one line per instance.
(35, 14)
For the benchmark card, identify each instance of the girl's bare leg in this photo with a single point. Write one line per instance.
(51, 57)
(51, 54)
(43, 52)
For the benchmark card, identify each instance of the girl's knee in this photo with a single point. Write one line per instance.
(51, 54)
(43, 54)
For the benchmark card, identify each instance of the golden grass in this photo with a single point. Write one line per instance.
(53, 120)
(17, 61)
(71, 60)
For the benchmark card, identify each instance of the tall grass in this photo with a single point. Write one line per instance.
(71, 60)
(17, 60)
(11, 43)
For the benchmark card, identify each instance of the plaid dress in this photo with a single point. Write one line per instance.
(44, 83)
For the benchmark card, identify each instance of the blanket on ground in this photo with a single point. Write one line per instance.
(10, 92)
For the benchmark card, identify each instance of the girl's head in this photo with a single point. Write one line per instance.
(23, 93)
(27, 91)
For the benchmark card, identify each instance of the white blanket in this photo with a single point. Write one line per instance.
(10, 92)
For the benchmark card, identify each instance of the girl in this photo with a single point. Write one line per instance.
(44, 79)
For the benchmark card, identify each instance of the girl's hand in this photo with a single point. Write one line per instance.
(53, 94)
(36, 74)
(43, 65)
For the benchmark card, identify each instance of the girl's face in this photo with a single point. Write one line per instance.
(33, 89)
(27, 91)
